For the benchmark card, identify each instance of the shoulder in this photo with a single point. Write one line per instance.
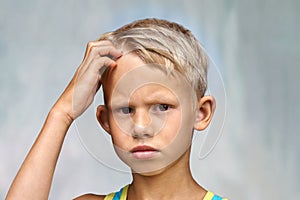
(90, 197)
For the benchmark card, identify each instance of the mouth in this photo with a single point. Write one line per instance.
(144, 152)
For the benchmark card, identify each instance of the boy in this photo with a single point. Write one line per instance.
(153, 75)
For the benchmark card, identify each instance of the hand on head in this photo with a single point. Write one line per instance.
(87, 80)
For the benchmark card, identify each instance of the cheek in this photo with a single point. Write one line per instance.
(173, 124)
(117, 135)
(179, 130)
(171, 129)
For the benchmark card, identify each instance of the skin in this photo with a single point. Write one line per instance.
(33, 181)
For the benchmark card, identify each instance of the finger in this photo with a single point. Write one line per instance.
(100, 64)
(95, 43)
(109, 51)
(102, 48)
(101, 52)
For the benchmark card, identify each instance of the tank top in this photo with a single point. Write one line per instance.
(122, 195)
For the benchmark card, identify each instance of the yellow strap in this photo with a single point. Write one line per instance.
(124, 193)
(209, 195)
(109, 196)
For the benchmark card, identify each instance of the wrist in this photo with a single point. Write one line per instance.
(60, 114)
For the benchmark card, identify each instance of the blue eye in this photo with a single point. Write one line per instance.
(126, 110)
(163, 107)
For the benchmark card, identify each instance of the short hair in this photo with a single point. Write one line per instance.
(158, 41)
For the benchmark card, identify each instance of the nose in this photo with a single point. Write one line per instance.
(142, 125)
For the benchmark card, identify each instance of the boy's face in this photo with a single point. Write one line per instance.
(150, 114)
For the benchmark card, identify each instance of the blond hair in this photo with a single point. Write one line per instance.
(166, 43)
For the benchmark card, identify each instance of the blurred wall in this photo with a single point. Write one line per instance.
(255, 45)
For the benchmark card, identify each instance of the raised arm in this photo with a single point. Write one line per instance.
(33, 181)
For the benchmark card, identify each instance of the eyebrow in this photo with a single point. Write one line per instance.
(161, 97)
(154, 98)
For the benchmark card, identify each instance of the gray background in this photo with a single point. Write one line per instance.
(254, 43)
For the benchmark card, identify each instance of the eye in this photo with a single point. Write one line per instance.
(126, 110)
(163, 107)
(160, 108)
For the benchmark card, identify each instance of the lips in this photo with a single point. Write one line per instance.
(144, 152)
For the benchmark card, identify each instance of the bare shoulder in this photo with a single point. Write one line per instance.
(90, 197)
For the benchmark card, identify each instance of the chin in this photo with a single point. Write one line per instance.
(153, 172)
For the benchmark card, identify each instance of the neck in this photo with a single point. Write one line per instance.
(173, 182)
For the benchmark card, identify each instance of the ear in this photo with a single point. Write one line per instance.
(205, 111)
(102, 117)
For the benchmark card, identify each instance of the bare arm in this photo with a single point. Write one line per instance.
(34, 178)
(33, 181)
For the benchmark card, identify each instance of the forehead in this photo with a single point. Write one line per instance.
(112, 75)
(125, 64)
(131, 73)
